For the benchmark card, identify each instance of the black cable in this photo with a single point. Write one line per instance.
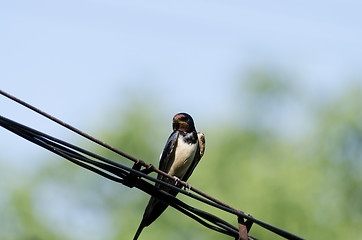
(120, 173)
(38, 138)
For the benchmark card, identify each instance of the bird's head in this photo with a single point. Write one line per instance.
(183, 122)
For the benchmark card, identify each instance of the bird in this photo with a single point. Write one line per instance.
(182, 152)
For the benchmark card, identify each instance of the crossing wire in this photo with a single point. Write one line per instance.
(133, 177)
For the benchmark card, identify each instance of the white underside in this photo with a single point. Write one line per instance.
(184, 156)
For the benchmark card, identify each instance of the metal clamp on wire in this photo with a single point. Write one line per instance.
(148, 169)
(244, 228)
(130, 180)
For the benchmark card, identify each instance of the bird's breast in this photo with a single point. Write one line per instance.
(184, 155)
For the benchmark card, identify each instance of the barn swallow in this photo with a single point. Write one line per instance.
(183, 151)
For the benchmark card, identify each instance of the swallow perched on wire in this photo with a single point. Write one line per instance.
(183, 151)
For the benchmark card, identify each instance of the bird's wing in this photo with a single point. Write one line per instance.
(198, 155)
(155, 207)
(168, 153)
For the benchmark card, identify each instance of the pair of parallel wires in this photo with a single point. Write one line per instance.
(137, 176)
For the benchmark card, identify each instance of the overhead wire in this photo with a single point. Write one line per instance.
(119, 173)
(133, 177)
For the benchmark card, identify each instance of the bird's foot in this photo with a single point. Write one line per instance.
(177, 180)
(188, 187)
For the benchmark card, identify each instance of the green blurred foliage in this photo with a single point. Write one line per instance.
(309, 184)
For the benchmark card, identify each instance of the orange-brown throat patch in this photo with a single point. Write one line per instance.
(180, 125)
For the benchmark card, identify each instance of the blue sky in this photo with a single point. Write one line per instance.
(77, 59)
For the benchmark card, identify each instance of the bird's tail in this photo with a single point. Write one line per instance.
(139, 230)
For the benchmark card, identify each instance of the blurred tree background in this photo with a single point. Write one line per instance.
(300, 174)
(274, 85)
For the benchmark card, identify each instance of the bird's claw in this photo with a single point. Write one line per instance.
(188, 187)
(177, 180)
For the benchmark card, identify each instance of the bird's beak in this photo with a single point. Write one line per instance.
(176, 124)
(177, 121)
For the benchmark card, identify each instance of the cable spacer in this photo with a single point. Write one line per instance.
(131, 178)
(244, 228)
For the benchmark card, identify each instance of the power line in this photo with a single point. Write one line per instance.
(134, 177)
